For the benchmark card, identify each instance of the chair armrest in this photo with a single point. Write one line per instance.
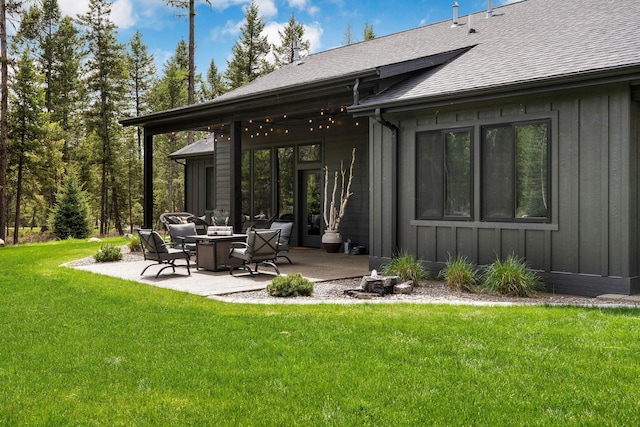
(241, 245)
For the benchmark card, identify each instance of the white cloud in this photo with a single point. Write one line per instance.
(73, 7)
(313, 33)
(299, 4)
(122, 14)
(267, 8)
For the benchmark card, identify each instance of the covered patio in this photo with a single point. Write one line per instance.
(314, 264)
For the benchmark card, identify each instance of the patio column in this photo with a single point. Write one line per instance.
(148, 180)
(236, 175)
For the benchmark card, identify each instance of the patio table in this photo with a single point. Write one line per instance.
(212, 252)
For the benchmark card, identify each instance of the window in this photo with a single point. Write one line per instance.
(515, 172)
(309, 153)
(444, 174)
(286, 171)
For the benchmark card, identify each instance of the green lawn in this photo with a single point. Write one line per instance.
(81, 349)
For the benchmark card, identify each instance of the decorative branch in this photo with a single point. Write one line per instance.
(332, 214)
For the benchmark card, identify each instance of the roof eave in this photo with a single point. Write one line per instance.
(307, 90)
(570, 81)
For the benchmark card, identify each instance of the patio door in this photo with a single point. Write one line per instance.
(310, 200)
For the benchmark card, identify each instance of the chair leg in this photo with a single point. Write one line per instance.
(286, 257)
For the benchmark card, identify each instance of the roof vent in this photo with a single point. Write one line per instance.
(296, 52)
(455, 14)
(489, 10)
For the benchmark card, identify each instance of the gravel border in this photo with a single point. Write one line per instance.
(432, 292)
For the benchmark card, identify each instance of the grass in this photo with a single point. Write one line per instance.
(84, 349)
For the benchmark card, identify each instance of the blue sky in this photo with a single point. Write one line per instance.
(217, 26)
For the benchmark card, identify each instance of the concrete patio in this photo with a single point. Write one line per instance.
(314, 264)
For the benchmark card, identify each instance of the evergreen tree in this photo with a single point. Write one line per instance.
(249, 52)
(26, 124)
(293, 33)
(214, 85)
(368, 33)
(169, 92)
(70, 216)
(7, 8)
(106, 80)
(141, 70)
(348, 36)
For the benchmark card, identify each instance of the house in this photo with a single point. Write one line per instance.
(511, 130)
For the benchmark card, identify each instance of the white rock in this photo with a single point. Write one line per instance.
(94, 239)
(1, 243)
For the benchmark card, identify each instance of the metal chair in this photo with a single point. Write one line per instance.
(155, 249)
(286, 227)
(261, 247)
(182, 236)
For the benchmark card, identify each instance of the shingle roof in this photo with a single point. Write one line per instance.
(527, 41)
(198, 148)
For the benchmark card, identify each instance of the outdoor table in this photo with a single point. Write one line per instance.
(212, 252)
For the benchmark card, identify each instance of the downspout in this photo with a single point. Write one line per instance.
(394, 186)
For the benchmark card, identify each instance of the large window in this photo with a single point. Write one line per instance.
(515, 172)
(444, 174)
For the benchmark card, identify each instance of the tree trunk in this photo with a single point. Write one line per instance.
(192, 65)
(16, 226)
(4, 124)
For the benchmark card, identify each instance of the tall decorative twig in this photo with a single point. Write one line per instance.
(333, 214)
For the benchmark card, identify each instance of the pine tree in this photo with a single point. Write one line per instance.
(169, 92)
(293, 33)
(7, 8)
(141, 70)
(70, 216)
(249, 52)
(214, 85)
(348, 36)
(25, 126)
(368, 33)
(106, 79)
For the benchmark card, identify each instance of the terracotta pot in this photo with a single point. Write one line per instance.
(331, 241)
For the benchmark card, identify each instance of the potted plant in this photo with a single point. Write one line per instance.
(334, 209)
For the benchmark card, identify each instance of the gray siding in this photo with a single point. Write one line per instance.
(195, 187)
(590, 244)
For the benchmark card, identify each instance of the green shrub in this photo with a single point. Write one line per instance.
(460, 274)
(108, 253)
(511, 277)
(406, 266)
(135, 245)
(292, 285)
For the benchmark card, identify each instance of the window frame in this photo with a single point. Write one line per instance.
(442, 204)
(514, 171)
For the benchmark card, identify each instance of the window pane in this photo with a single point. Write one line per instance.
(262, 184)
(457, 174)
(531, 171)
(285, 182)
(430, 165)
(497, 173)
(309, 153)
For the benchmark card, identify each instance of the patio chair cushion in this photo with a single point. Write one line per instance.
(180, 235)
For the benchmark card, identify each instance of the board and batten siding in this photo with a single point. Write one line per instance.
(589, 246)
(195, 188)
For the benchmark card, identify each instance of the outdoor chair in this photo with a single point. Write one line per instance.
(261, 247)
(285, 227)
(182, 236)
(155, 249)
(200, 222)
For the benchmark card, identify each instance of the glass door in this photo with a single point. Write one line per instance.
(310, 185)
